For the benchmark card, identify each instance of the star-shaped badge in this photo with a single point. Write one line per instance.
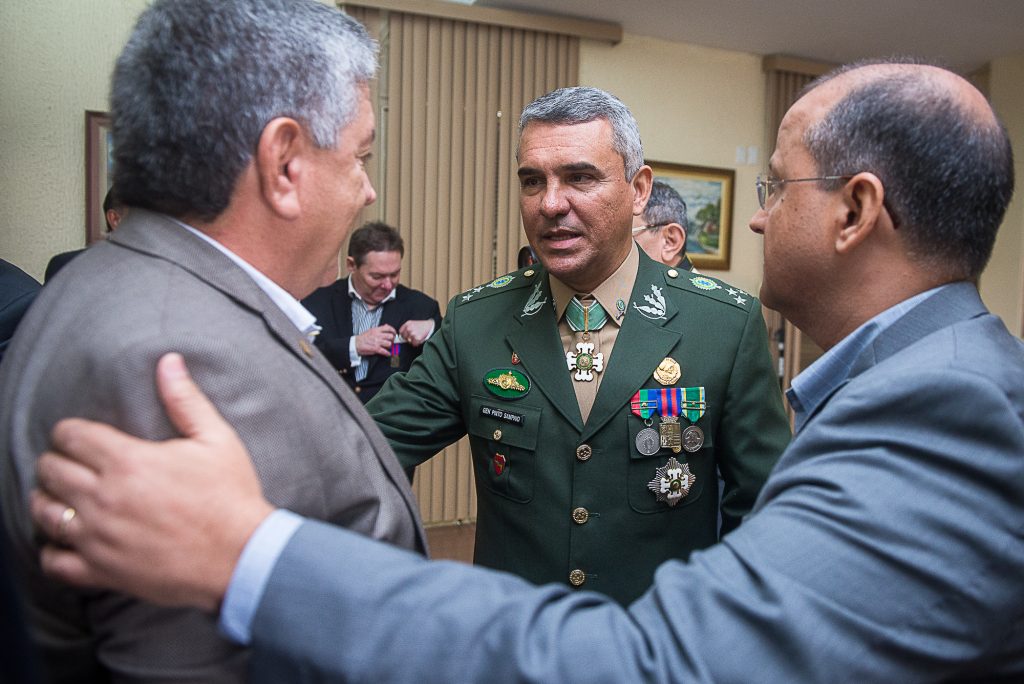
(672, 482)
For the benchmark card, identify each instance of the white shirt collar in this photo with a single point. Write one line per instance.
(289, 306)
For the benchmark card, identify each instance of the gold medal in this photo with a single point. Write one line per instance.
(668, 371)
(671, 433)
(584, 361)
(507, 383)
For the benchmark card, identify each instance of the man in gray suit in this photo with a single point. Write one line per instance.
(885, 547)
(240, 132)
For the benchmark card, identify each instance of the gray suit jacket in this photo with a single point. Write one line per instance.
(887, 546)
(89, 348)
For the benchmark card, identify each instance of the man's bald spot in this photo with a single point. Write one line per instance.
(943, 84)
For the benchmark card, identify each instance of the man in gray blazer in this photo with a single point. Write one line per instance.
(240, 131)
(886, 545)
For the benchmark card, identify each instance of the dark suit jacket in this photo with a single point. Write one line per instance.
(58, 262)
(88, 348)
(18, 656)
(332, 307)
(17, 290)
(885, 547)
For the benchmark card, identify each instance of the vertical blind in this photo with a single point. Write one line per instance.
(448, 99)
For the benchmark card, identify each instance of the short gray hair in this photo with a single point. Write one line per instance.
(665, 206)
(200, 79)
(579, 105)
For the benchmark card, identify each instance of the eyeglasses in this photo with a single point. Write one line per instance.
(766, 187)
(653, 226)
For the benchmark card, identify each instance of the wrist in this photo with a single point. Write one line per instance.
(234, 540)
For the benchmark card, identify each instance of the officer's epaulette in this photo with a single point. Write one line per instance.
(714, 288)
(509, 281)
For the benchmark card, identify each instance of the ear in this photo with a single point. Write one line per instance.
(350, 264)
(113, 218)
(861, 211)
(673, 241)
(281, 160)
(641, 189)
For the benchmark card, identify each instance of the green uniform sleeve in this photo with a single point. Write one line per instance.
(755, 429)
(420, 412)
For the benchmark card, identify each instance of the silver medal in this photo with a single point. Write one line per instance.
(693, 438)
(648, 441)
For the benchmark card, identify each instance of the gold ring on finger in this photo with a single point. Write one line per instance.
(65, 519)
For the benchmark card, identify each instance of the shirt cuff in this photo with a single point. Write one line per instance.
(249, 580)
(353, 356)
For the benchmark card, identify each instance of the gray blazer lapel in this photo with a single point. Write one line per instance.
(642, 343)
(955, 302)
(162, 238)
(539, 347)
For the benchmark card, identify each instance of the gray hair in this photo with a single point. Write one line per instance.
(665, 206)
(579, 105)
(200, 79)
(948, 176)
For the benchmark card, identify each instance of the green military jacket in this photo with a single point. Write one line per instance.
(560, 501)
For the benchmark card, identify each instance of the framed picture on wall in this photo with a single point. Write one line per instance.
(99, 166)
(708, 193)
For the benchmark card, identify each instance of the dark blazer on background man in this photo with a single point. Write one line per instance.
(89, 348)
(59, 261)
(332, 307)
(17, 290)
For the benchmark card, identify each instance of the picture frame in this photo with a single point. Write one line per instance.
(99, 166)
(708, 193)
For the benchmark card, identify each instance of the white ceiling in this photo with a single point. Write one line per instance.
(962, 34)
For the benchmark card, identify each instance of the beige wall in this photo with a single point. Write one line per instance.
(695, 105)
(1002, 284)
(56, 58)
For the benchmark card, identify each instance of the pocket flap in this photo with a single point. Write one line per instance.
(518, 425)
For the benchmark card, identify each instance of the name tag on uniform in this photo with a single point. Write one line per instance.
(502, 414)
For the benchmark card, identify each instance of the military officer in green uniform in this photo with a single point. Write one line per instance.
(602, 392)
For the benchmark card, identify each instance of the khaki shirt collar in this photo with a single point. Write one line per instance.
(617, 287)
